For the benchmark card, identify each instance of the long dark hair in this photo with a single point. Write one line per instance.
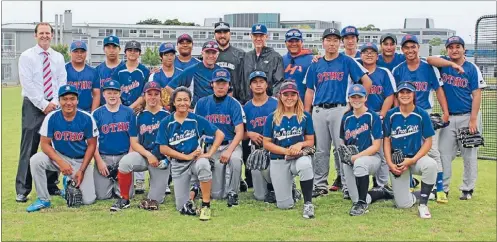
(175, 93)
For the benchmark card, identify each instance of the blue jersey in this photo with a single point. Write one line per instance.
(69, 137)
(296, 67)
(288, 132)
(85, 81)
(361, 131)
(105, 74)
(330, 80)
(198, 79)
(458, 88)
(184, 137)
(131, 82)
(397, 59)
(161, 78)
(356, 56)
(226, 115)
(116, 129)
(383, 85)
(257, 115)
(426, 79)
(183, 65)
(407, 133)
(147, 124)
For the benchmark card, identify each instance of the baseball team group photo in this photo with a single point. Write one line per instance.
(246, 128)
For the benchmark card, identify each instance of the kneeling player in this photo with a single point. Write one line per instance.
(286, 132)
(408, 135)
(178, 136)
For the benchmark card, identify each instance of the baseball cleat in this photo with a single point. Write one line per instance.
(337, 184)
(140, 187)
(387, 192)
(168, 191)
(243, 186)
(319, 192)
(346, 194)
(296, 194)
(120, 204)
(424, 212)
(442, 197)
(188, 209)
(232, 199)
(433, 195)
(359, 208)
(205, 213)
(466, 195)
(38, 205)
(21, 198)
(153, 205)
(308, 210)
(270, 197)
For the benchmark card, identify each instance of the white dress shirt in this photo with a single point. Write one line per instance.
(31, 75)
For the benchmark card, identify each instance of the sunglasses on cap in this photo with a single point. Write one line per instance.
(215, 46)
(293, 34)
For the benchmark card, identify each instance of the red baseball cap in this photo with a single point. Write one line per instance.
(289, 86)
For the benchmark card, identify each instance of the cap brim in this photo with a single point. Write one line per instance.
(187, 39)
(214, 49)
(289, 90)
(111, 43)
(405, 88)
(168, 50)
(457, 42)
(388, 37)
(69, 92)
(258, 32)
(112, 88)
(296, 38)
(152, 88)
(355, 93)
(413, 41)
(337, 35)
(221, 29)
(78, 49)
(263, 77)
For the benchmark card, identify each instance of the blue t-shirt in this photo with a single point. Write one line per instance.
(131, 82)
(161, 78)
(105, 74)
(383, 85)
(296, 68)
(397, 59)
(361, 131)
(116, 129)
(356, 56)
(183, 65)
(84, 81)
(257, 115)
(147, 125)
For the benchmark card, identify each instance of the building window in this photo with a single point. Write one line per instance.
(133, 33)
(276, 36)
(210, 35)
(109, 32)
(84, 39)
(429, 32)
(101, 32)
(8, 42)
(167, 34)
(6, 71)
(100, 43)
(425, 41)
(143, 33)
(412, 32)
(119, 32)
(199, 35)
(308, 36)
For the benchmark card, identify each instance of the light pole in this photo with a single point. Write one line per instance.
(41, 11)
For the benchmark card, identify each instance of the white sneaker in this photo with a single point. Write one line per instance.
(308, 210)
(168, 190)
(432, 195)
(424, 212)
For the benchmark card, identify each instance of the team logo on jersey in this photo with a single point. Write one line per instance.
(80, 85)
(219, 118)
(291, 69)
(180, 138)
(287, 134)
(420, 86)
(148, 128)
(258, 122)
(400, 132)
(68, 136)
(455, 81)
(115, 127)
(355, 132)
(330, 76)
(128, 88)
(376, 89)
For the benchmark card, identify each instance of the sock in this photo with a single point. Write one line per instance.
(375, 195)
(306, 187)
(362, 187)
(440, 184)
(124, 183)
(425, 192)
(270, 187)
(206, 204)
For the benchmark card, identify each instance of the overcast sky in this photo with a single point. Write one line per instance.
(457, 15)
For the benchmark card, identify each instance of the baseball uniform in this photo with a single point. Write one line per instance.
(161, 77)
(105, 74)
(184, 65)
(84, 81)
(296, 67)
(397, 59)
(131, 82)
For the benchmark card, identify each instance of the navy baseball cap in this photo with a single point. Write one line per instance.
(293, 34)
(133, 45)
(331, 31)
(111, 85)
(221, 26)
(210, 45)
(221, 75)
(349, 30)
(289, 86)
(186, 37)
(454, 40)
(167, 47)
(259, 29)
(409, 37)
(357, 89)
(78, 44)
(255, 74)
(68, 89)
(111, 40)
(152, 85)
(406, 85)
(388, 35)
(369, 45)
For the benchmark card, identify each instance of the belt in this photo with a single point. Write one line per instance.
(329, 105)
(458, 114)
(114, 154)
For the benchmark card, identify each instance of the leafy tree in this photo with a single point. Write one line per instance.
(151, 57)
(370, 27)
(177, 22)
(435, 41)
(150, 21)
(443, 52)
(315, 51)
(63, 49)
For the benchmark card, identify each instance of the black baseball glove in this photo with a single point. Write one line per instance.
(397, 158)
(113, 169)
(437, 122)
(74, 197)
(469, 140)
(345, 153)
(258, 160)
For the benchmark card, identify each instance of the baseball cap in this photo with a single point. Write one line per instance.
(257, 74)
(78, 44)
(349, 30)
(221, 26)
(151, 85)
(293, 34)
(111, 40)
(133, 45)
(67, 89)
(409, 37)
(357, 89)
(111, 85)
(221, 75)
(288, 86)
(331, 31)
(259, 29)
(454, 40)
(388, 35)
(210, 45)
(167, 47)
(369, 45)
(186, 37)
(406, 85)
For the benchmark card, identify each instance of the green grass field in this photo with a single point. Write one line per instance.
(458, 220)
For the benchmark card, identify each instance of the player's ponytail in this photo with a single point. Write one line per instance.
(175, 93)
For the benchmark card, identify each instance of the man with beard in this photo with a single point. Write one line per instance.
(185, 47)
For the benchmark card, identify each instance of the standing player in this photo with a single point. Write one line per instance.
(112, 60)
(117, 124)
(426, 79)
(388, 57)
(185, 47)
(408, 128)
(286, 132)
(84, 77)
(179, 137)
(463, 84)
(327, 83)
(227, 114)
(297, 60)
(65, 147)
(350, 38)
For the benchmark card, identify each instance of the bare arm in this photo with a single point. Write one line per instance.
(366, 82)
(440, 62)
(387, 105)
(442, 100)
(475, 109)
(167, 151)
(218, 139)
(275, 149)
(371, 150)
(424, 149)
(96, 98)
(309, 95)
(136, 146)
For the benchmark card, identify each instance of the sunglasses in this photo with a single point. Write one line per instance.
(293, 34)
(215, 46)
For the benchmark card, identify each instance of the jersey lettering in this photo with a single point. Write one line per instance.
(258, 122)
(291, 69)
(68, 136)
(180, 138)
(115, 127)
(455, 81)
(81, 85)
(376, 90)
(330, 76)
(219, 118)
(399, 132)
(128, 88)
(284, 134)
(353, 133)
(421, 86)
(148, 128)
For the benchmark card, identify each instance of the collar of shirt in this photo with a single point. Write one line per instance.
(40, 50)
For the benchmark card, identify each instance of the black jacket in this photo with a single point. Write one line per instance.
(232, 60)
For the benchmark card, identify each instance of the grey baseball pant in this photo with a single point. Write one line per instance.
(260, 179)
(326, 124)
(134, 162)
(282, 173)
(139, 176)
(40, 163)
(104, 187)
(383, 170)
(184, 173)
(226, 178)
(434, 151)
(363, 166)
(426, 167)
(449, 146)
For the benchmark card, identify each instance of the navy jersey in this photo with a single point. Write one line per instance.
(383, 85)
(257, 115)
(226, 115)
(69, 137)
(131, 82)
(407, 133)
(426, 79)
(356, 56)
(296, 68)
(288, 132)
(330, 80)
(458, 88)
(115, 128)
(184, 65)
(184, 137)
(147, 125)
(105, 74)
(84, 81)
(197, 78)
(361, 131)
(397, 59)
(161, 78)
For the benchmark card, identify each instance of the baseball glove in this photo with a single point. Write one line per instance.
(165, 98)
(163, 164)
(397, 158)
(258, 160)
(113, 169)
(345, 153)
(305, 151)
(469, 140)
(74, 197)
(437, 122)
